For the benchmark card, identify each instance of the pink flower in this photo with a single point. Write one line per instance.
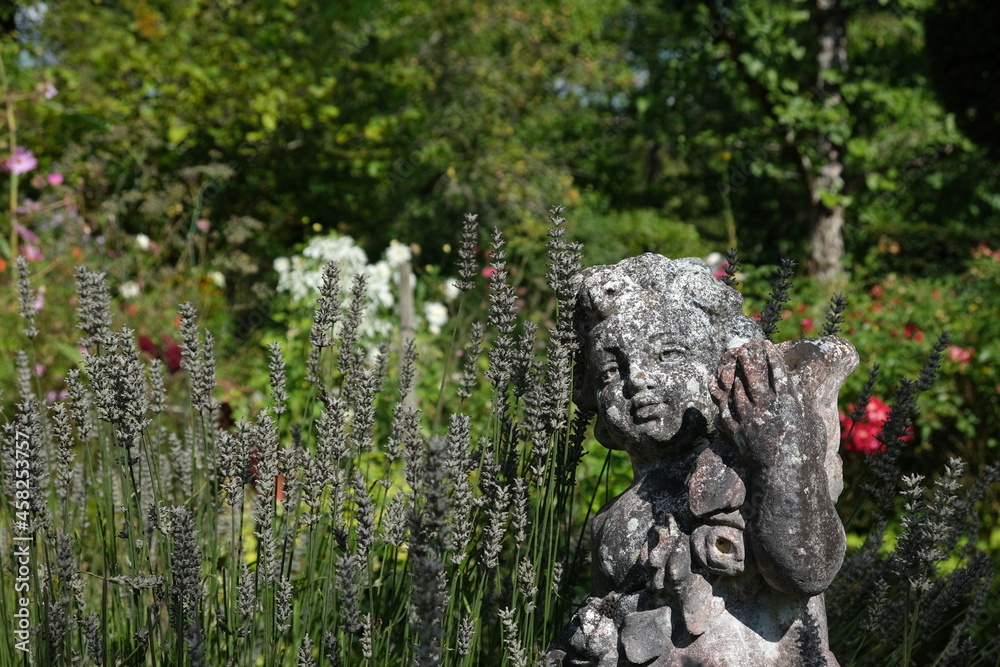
(721, 272)
(862, 436)
(29, 206)
(489, 272)
(960, 355)
(859, 436)
(807, 324)
(26, 234)
(171, 354)
(39, 370)
(203, 225)
(55, 179)
(146, 344)
(983, 250)
(21, 162)
(53, 396)
(40, 298)
(877, 410)
(32, 253)
(49, 90)
(912, 332)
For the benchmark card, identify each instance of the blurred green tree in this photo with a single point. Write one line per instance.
(798, 128)
(381, 120)
(793, 128)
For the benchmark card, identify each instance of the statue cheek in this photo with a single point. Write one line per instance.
(612, 414)
(609, 430)
(687, 383)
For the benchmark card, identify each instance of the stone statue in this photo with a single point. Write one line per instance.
(719, 552)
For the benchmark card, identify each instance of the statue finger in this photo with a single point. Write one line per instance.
(738, 401)
(755, 374)
(744, 391)
(777, 375)
(726, 372)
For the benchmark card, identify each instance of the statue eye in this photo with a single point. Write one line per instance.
(609, 372)
(668, 353)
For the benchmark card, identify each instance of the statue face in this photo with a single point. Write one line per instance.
(652, 363)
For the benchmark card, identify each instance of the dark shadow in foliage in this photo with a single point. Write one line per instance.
(965, 65)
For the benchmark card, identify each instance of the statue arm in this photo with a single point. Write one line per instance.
(796, 535)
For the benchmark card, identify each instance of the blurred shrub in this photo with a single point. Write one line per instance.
(614, 235)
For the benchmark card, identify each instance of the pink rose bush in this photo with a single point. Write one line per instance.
(862, 436)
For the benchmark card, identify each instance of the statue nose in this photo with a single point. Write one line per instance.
(639, 380)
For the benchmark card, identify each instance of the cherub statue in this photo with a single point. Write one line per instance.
(720, 551)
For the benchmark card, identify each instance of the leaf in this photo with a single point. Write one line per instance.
(67, 350)
(829, 199)
(177, 133)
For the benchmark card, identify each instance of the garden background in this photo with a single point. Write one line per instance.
(221, 153)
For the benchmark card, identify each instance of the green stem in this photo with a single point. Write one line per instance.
(12, 139)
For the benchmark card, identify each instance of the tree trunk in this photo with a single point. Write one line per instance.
(828, 221)
(827, 242)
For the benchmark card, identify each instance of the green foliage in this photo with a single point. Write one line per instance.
(298, 557)
(727, 107)
(382, 120)
(354, 520)
(633, 232)
(224, 135)
(288, 112)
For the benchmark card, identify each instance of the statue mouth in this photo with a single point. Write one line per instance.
(648, 408)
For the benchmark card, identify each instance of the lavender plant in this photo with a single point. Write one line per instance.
(376, 526)
(926, 599)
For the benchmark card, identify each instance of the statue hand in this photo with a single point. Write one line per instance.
(758, 409)
(667, 556)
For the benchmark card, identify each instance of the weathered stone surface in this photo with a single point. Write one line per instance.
(713, 486)
(728, 536)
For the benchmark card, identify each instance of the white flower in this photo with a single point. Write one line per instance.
(301, 276)
(397, 254)
(340, 249)
(379, 283)
(218, 279)
(129, 290)
(142, 241)
(715, 260)
(451, 290)
(436, 314)
(379, 273)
